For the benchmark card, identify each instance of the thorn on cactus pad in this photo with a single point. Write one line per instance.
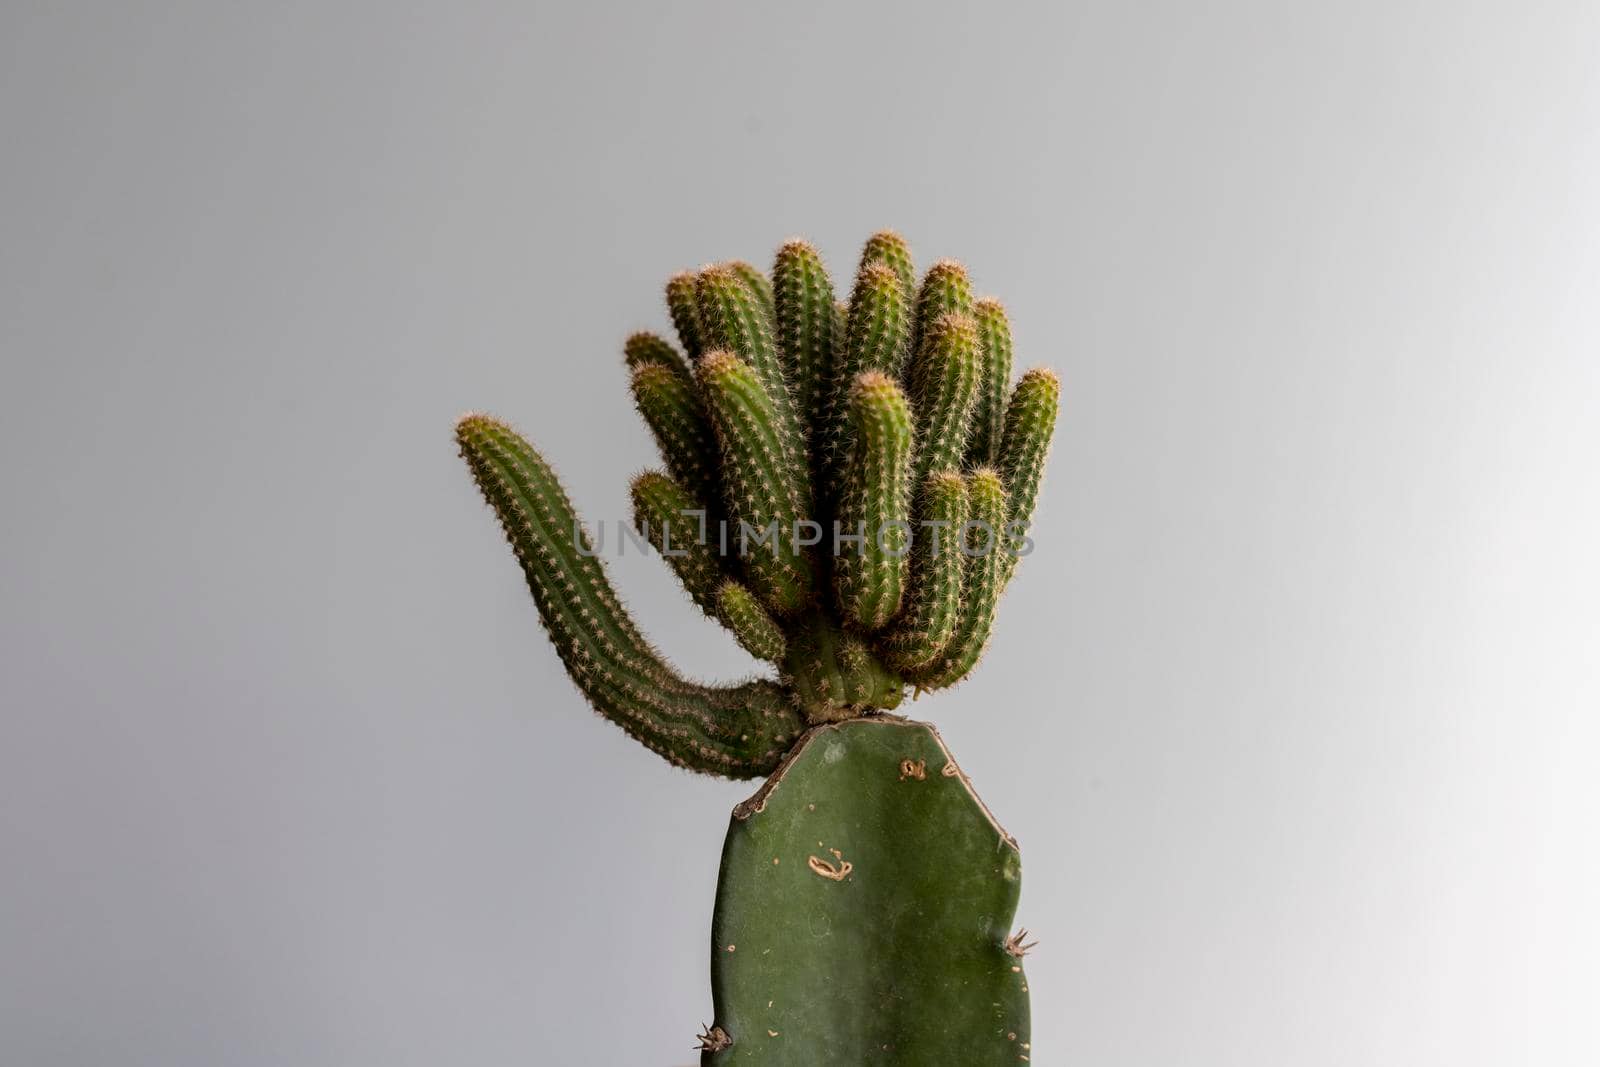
(1018, 944)
(713, 1039)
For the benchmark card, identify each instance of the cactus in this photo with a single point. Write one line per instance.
(863, 914)
(848, 488)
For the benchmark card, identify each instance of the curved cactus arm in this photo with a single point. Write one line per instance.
(988, 419)
(646, 347)
(1029, 426)
(750, 623)
(987, 565)
(863, 913)
(946, 372)
(934, 608)
(677, 525)
(760, 286)
(888, 247)
(683, 306)
(735, 320)
(870, 574)
(946, 290)
(805, 325)
(764, 496)
(736, 731)
(672, 408)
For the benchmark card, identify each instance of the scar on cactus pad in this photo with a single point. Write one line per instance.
(864, 906)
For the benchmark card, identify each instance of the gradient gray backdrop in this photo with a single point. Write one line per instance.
(1294, 710)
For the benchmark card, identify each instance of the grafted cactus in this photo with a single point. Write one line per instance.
(848, 487)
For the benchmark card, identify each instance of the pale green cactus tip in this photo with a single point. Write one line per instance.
(784, 412)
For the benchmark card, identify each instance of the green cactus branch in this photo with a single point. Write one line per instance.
(739, 320)
(674, 522)
(890, 248)
(926, 627)
(760, 287)
(988, 417)
(764, 491)
(946, 290)
(983, 579)
(805, 324)
(672, 408)
(947, 375)
(1029, 425)
(737, 731)
(683, 307)
(756, 630)
(875, 512)
(646, 347)
(877, 334)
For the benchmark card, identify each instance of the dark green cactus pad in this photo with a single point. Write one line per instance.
(864, 912)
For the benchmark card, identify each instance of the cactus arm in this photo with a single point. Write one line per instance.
(764, 493)
(760, 287)
(672, 408)
(878, 331)
(735, 731)
(886, 246)
(986, 568)
(750, 623)
(988, 418)
(646, 347)
(864, 910)
(682, 305)
(880, 321)
(675, 523)
(735, 320)
(945, 290)
(1029, 425)
(934, 606)
(841, 340)
(869, 577)
(947, 373)
(805, 325)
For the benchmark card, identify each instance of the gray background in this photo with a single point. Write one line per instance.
(1294, 710)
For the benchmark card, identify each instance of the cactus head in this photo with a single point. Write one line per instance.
(825, 466)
